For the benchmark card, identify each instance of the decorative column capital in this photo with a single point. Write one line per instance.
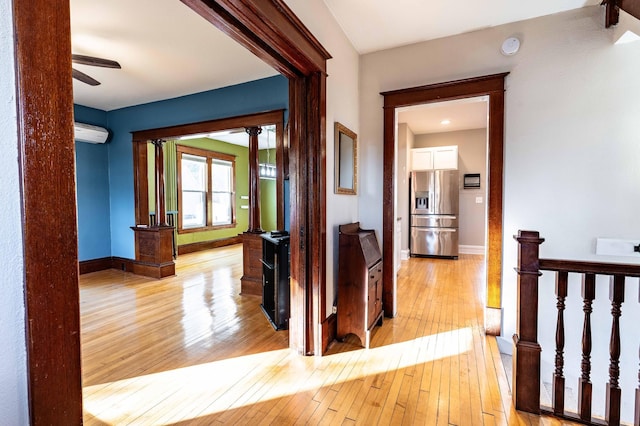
(253, 131)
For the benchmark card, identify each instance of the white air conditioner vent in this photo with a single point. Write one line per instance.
(91, 134)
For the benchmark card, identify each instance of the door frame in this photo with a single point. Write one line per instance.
(140, 139)
(493, 87)
(44, 101)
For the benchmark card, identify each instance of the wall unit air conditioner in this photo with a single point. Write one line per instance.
(91, 134)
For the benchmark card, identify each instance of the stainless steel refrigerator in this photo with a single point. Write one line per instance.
(434, 213)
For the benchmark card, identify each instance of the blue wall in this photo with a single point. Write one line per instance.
(256, 96)
(92, 189)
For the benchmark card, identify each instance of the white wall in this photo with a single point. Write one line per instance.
(342, 106)
(572, 149)
(13, 377)
(404, 145)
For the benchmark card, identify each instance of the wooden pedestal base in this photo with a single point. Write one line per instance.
(154, 251)
(251, 281)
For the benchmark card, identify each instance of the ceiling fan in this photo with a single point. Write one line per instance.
(93, 61)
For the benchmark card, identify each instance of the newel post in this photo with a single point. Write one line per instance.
(526, 353)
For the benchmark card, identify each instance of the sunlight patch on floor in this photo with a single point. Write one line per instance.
(204, 389)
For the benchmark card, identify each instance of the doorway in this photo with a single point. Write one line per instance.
(491, 86)
(45, 130)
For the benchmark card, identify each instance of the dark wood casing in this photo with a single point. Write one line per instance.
(359, 282)
(251, 281)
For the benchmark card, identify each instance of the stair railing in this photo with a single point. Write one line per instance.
(527, 350)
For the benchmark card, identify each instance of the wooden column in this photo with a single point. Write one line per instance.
(161, 211)
(251, 281)
(154, 244)
(526, 354)
(254, 181)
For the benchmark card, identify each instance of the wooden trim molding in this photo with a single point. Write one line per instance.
(44, 90)
(95, 265)
(141, 137)
(208, 245)
(274, 34)
(492, 86)
(47, 165)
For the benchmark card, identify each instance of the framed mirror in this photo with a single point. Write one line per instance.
(346, 160)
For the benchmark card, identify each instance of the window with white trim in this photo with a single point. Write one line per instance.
(206, 189)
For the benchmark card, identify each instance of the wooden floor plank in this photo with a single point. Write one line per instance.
(190, 350)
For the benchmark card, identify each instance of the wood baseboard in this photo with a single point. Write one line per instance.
(207, 245)
(127, 265)
(329, 331)
(94, 265)
(122, 263)
(130, 265)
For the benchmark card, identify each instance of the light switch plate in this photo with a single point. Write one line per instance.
(478, 200)
(616, 247)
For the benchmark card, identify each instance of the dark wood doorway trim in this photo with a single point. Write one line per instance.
(45, 133)
(270, 30)
(492, 86)
(142, 137)
(47, 167)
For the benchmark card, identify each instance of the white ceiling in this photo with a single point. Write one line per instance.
(166, 50)
(464, 114)
(374, 25)
(266, 139)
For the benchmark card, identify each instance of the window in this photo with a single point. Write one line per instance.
(222, 191)
(206, 189)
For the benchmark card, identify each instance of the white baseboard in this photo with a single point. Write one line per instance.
(470, 249)
(504, 345)
(404, 254)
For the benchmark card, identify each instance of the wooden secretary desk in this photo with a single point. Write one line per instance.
(359, 282)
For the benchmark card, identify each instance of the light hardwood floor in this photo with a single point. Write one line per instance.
(190, 350)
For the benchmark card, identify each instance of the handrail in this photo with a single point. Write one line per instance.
(527, 349)
(583, 267)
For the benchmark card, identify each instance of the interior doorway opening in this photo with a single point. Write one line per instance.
(491, 86)
(437, 127)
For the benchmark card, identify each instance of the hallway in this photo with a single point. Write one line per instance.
(190, 350)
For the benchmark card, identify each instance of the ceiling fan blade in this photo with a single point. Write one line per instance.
(79, 75)
(93, 61)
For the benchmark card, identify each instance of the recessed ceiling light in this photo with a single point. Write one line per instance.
(445, 122)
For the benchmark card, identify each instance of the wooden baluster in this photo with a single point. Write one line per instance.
(558, 377)
(616, 295)
(526, 354)
(584, 388)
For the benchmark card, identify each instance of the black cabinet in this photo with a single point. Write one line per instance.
(275, 279)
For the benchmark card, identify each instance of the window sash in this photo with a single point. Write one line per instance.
(214, 194)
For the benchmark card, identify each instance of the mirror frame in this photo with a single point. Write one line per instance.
(341, 130)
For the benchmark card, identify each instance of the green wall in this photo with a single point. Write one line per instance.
(268, 201)
(242, 188)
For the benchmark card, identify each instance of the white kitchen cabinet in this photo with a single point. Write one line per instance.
(434, 158)
(421, 159)
(445, 157)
